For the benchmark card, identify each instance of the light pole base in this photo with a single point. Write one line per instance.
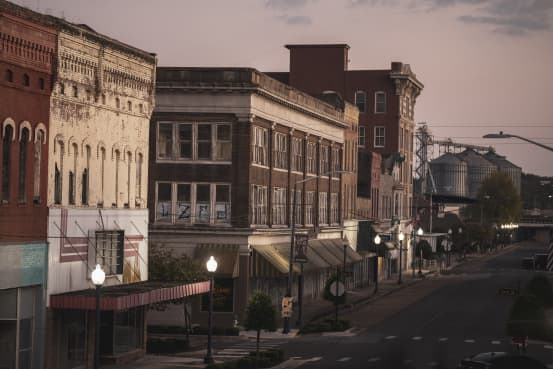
(208, 359)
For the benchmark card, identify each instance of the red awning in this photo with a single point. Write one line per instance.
(126, 296)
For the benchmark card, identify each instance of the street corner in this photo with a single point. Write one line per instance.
(278, 334)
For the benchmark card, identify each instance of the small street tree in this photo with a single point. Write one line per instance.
(260, 314)
(165, 266)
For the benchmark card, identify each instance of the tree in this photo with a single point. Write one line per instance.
(260, 314)
(498, 200)
(541, 288)
(165, 266)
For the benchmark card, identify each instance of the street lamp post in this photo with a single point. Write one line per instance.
(449, 242)
(420, 233)
(98, 277)
(460, 230)
(286, 320)
(211, 268)
(401, 237)
(376, 242)
(507, 135)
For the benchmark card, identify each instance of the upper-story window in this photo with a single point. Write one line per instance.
(259, 204)
(324, 160)
(41, 83)
(336, 159)
(279, 206)
(117, 103)
(62, 89)
(6, 162)
(379, 136)
(75, 90)
(26, 80)
(194, 141)
(280, 151)
(361, 101)
(259, 145)
(297, 154)
(380, 102)
(362, 137)
(129, 106)
(311, 157)
(9, 75)
(110, 249)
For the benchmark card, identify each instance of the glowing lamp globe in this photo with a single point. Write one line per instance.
(377, 240)
(401, 236)
(98, 276)
(419, 232)
(211, 264)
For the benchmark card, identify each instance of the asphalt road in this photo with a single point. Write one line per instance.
(433, 324)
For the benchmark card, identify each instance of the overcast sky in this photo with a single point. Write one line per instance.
(487, 65)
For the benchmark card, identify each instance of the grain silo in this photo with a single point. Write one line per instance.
(479, 169)
(450, 175)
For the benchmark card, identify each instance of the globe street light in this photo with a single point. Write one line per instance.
(449, 242)
(401, 237)
(98, 277)
(420, 233)
(376, 242)
(211, 268)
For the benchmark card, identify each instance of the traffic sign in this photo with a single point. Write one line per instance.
(341, 288)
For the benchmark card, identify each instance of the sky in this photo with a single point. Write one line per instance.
(487, 65)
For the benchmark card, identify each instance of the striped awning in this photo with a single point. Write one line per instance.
(126, 296)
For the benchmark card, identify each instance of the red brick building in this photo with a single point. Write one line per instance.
(26, 56)
(385, 98)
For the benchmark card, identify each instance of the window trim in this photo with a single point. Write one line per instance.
(364, 94)
(364, 136)
(383, 136)
(376, 103)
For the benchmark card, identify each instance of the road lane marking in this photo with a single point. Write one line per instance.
(433, 363)
(391, 337)
(549, 347)
(344, 359)
(496, 342)
(407, 362)
(417, 338)
(469, 341)
(374, 359)
(295, 358)
(443, 339)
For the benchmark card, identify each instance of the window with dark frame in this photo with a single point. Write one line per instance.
(57, 185)
(165, 141)
(203, 201)
(23, 143)
(6, 162)
(26, 80)
(280, 151)
(361, 100)
(222, 203)
(297, 154)
(379, 136)
(110, 250)
(163, 202)
(184, 203)
(380, 102)
(204, 142)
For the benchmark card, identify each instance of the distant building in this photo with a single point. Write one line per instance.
(227, 146)
(503, 165)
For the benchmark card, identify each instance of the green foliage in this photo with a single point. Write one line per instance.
(260, 313)
(327, 294)
(527, 318)
(165, 266)
(540, 287)
(328, 325)
(499, 199)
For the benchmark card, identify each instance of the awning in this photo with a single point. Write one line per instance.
(226, 256)
(126, 296)
(335, 247)
(277, 255)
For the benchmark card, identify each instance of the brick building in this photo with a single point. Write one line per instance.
(27, 52)
(227, 146)
(386, 101)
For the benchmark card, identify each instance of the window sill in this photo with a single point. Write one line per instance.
(282, 170)
(195, 162)
(259, 166)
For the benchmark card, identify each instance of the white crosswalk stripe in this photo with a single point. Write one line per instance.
(344, 359)
(242, 349)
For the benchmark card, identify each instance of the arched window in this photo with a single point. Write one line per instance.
(57, 185)
(103, 172)
(117, 103)
(62, 89)
(9, 75)
(129, 106)
(6, 160)
(129, 155)
(85, 177)
(23, 144)
(73, 175)
(75, 91)
(38, 161)
(41, 83)
(26, 80)
(138, 191)
(117, 161)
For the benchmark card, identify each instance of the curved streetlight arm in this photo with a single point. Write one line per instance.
(507, 135)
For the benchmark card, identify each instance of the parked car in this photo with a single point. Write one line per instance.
(540, 261)
(500, 360)
(528, 263)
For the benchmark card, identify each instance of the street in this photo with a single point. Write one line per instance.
(434, 323)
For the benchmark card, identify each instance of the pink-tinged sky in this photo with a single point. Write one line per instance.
(487, 65)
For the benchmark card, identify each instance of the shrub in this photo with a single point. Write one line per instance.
(540, 286)
(328, 325)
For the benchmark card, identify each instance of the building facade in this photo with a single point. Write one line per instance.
(386, 101)
(27, 52)
(228, 146)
